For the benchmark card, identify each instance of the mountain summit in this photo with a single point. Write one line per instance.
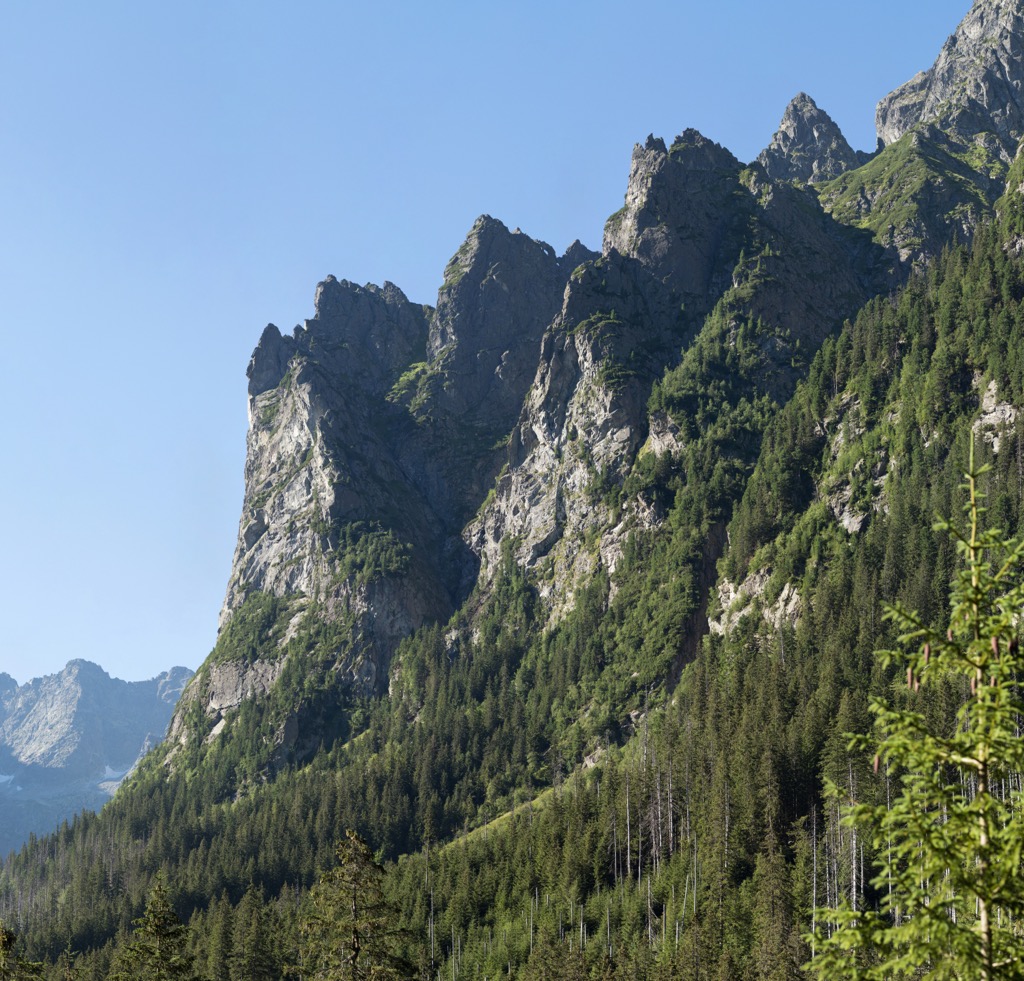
(973, 91)
(68, 739)
(808, 146)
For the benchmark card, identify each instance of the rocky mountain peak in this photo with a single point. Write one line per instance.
(67, 740)
(171, 684)
(973, 90)
(808, 145)
(678, 218)
(501, 290)
(576, 254)
(269, 360)
(696, 152)
(368, 332)
(489, 266)
(81, 716)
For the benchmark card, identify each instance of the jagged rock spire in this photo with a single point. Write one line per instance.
(808, 146)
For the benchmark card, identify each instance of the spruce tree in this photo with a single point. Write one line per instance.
(948, 843)
(14, 966)
(349, 930)
(254, 956)
(158, 948)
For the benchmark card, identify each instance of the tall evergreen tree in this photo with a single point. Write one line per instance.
(350, 930)
(13, 964)
(253, 956)
(158, 948)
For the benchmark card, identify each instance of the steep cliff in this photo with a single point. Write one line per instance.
(972, 92)
(945, 140)
(547, 408)
(376, 430)
(698, 231)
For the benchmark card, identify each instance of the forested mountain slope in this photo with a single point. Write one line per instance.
(564, 592)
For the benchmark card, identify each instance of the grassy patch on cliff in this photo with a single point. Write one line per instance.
(254, 630)
(923, 179)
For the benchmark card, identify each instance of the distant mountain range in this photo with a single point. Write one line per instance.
(67, 741)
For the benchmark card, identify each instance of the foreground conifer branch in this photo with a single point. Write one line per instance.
(948, 842)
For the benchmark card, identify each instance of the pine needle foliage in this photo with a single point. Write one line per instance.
(948, 843)
(13, 965)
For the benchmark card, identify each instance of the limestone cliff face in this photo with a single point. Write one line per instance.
(376, 429)
(582, 423)
(973, 91)
(323, 486)
(501, 291)
(808, 146)
(396, 451)
(697, 230)
(682, 220)
(309, 395)
(505, 413)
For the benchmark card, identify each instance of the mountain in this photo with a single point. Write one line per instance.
(972, 92)
(565, 591)
(67, 741)
(395, 451)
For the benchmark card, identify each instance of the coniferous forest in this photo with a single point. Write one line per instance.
(658, 781)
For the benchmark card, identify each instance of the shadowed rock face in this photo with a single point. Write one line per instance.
(382, 421)
(680, 220)
(808, 146)
(449, 431)
(693, 222)
(67, 740)
(973, 91)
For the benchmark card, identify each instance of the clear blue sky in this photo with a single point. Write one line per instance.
(174, 176)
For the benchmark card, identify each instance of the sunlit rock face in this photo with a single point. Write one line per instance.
(973, 89)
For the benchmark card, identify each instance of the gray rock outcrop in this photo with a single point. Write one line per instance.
(695, 232)
(379, 422)
(680, 220)
(808, 146)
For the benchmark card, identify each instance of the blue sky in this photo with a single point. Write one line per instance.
(175, 176)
